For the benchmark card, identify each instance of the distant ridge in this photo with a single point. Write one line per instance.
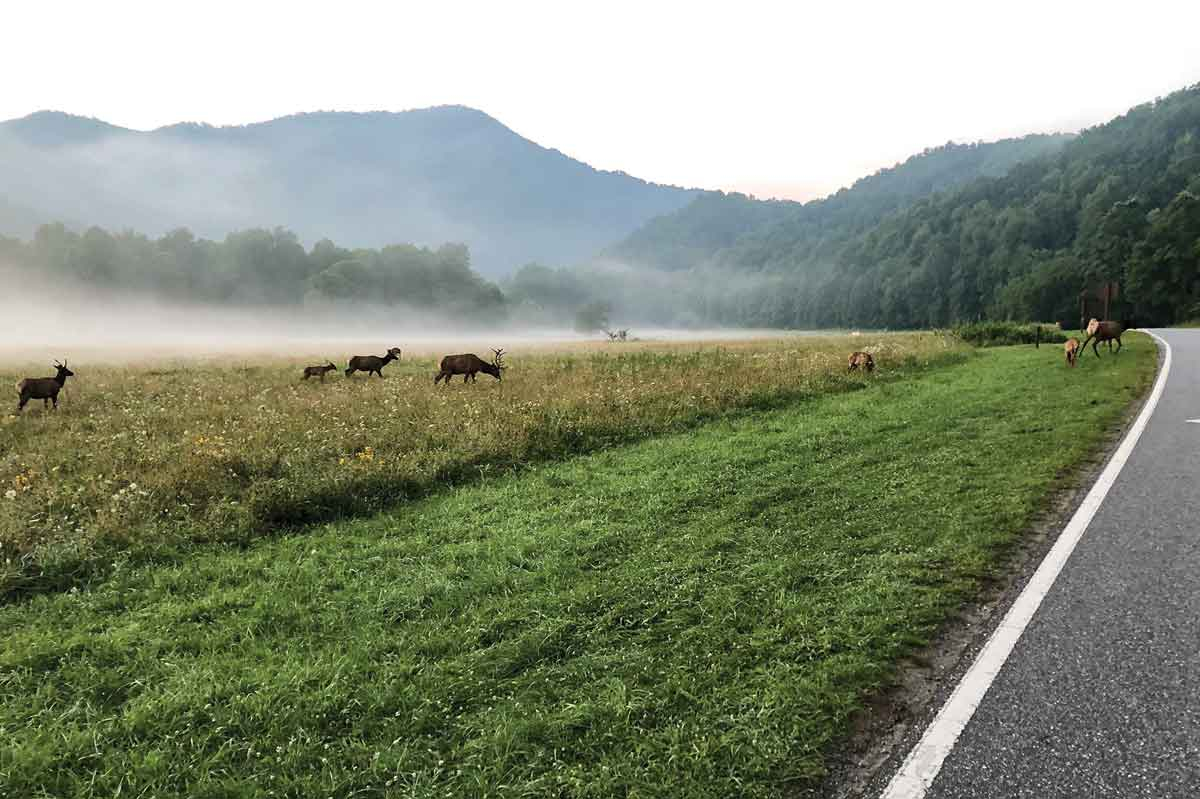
(446, 173)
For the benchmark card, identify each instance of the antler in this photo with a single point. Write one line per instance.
(499, 355)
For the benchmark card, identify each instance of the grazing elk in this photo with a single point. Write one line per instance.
(1072, 350)
(43, 388)
(468, 364)
(1098, 332)
(861, 360)
(318, 371)
(372, 363)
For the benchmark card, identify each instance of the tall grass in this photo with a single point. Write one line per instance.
(145, 459)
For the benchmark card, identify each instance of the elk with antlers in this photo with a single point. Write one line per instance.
(43, 388)
(372, 364)
(468, 364)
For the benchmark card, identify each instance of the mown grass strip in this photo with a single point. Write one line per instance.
(696, 615)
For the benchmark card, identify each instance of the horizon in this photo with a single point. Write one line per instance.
(796, 102)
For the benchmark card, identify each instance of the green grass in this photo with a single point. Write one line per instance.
(151, 458)
(696, 615)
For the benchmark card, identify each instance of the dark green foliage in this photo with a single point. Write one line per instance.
(256, 268)
(712, 222)
(1002, 334)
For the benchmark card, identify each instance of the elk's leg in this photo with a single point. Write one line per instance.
(1118, 343)
(1095, 347)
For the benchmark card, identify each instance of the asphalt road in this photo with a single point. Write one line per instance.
(1100, 697)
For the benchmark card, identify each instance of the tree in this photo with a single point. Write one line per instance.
(593, 316)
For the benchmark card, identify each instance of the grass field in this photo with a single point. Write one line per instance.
(694, 615)
(145, 460)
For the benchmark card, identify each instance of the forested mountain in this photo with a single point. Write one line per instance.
(699, 232)
(427, 176)
(958, 233)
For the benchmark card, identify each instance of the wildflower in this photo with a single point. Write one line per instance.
(10, 494)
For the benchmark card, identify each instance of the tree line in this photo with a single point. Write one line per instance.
(257, 267)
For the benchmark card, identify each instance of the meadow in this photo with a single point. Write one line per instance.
(696, 614)
(148, 456)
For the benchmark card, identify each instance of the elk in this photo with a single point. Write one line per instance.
(861, 360)
(43, 388)
(468, 364)
(318, 371)
(1099, 332)
(1072, 350)
(372, 363)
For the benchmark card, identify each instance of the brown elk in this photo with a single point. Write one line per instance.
(468, 364)
(861, 360)
(372, 364)
(1098, 332)
(43, 388)
(1072, 350)
(318, 371)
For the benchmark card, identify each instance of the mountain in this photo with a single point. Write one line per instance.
(743, 233)
(444, 174)
(1011, 230)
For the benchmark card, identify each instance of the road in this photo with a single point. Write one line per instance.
(1100, 694)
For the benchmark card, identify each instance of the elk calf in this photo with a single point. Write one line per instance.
(318, 371)
(43, 388)
(467, 365)
(861, 360)
(1072, 350)
(372, 363)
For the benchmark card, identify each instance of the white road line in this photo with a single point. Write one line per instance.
(924, 762)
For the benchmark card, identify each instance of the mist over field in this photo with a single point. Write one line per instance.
(41, 320)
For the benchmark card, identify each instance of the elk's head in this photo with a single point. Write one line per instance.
(63, 371)
(496, 367)
(394, 352)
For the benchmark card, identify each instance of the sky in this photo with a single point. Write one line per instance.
(785, 99)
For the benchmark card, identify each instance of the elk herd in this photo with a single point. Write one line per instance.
(467, 364)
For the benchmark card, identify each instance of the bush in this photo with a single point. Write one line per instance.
(1003, 334)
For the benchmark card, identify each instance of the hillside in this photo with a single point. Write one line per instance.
(446, 174)
(1010, 230)
(713, 223)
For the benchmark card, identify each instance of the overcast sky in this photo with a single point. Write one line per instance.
(780, 99)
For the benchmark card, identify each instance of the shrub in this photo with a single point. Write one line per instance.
(1003, 334)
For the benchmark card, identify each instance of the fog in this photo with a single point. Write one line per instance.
(41, 322)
